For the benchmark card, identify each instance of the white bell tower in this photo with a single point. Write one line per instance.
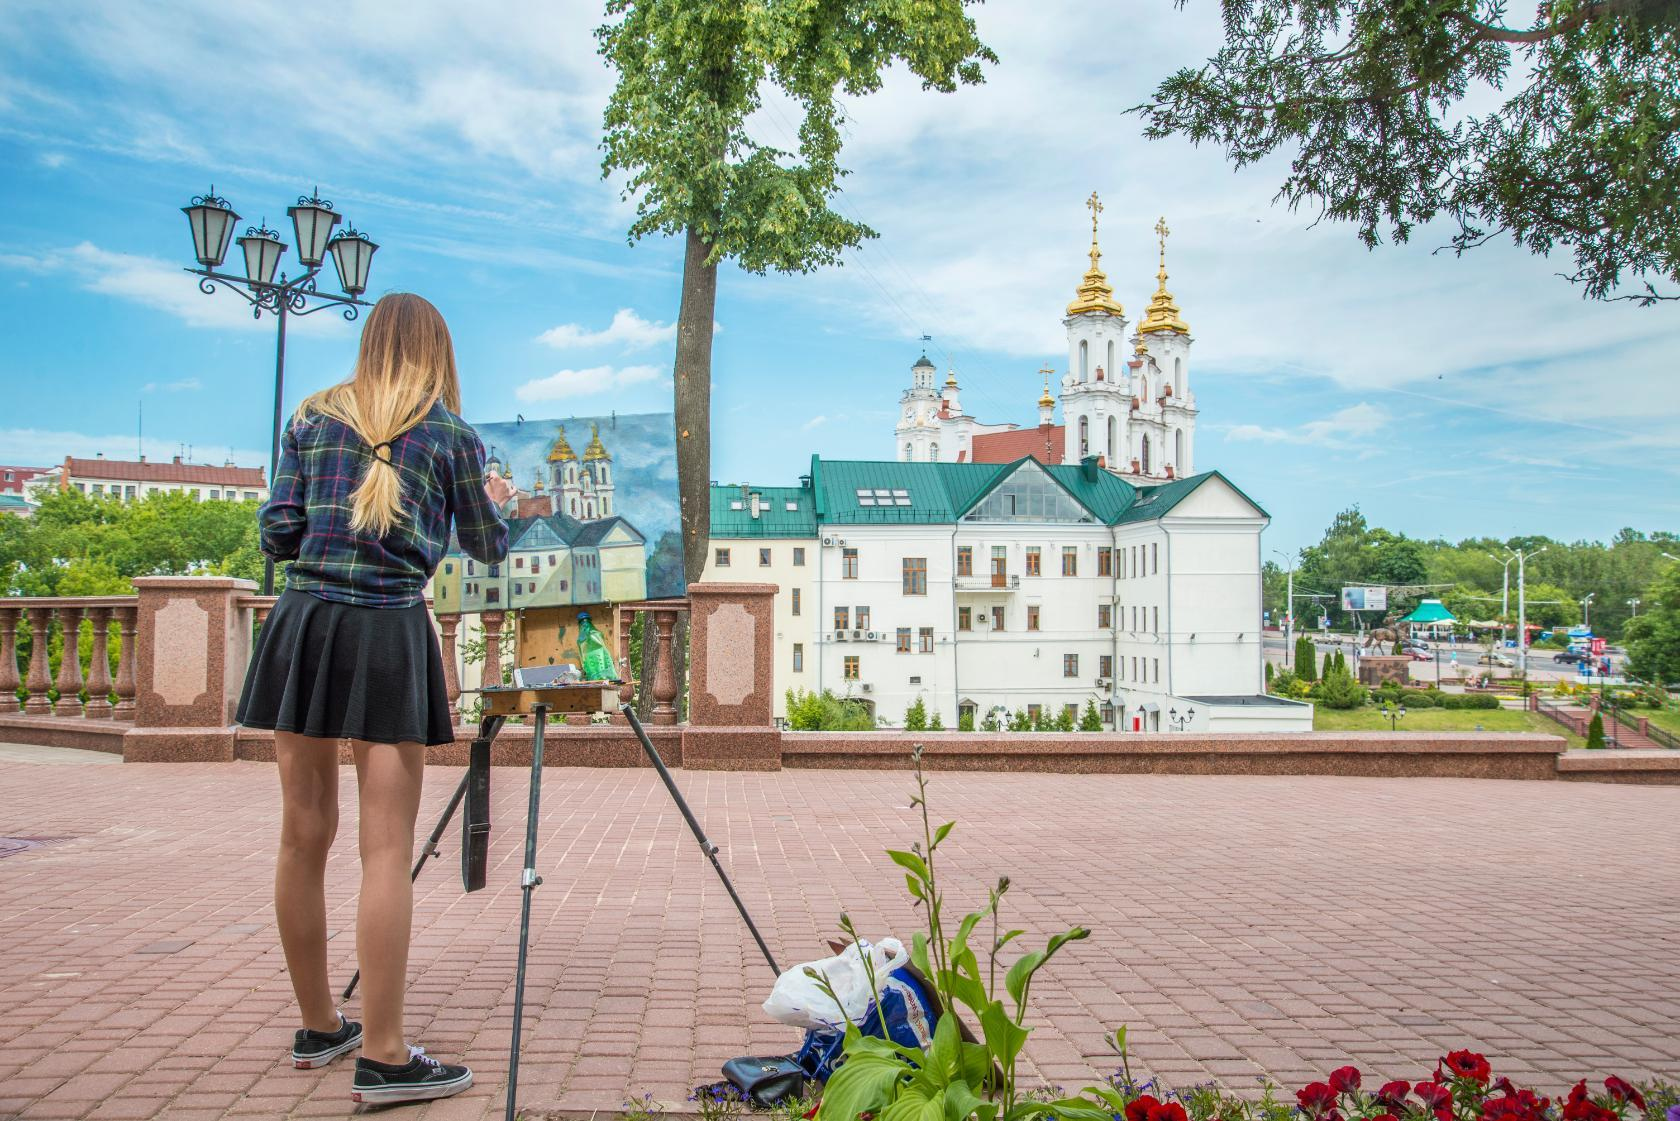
(1095, 399)
(916, 435)
(1174, 404)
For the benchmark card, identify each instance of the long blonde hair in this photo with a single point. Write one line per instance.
(405, 366)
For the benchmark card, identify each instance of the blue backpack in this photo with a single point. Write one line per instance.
(908, 1009)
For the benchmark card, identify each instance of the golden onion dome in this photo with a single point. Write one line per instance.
(1162, 313)
(596, 450)
(1094, 293)
(561, 452)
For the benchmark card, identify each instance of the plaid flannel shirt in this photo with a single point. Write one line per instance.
(307, 518)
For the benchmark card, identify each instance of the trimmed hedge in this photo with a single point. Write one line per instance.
(1469, 700)
(1418, 700)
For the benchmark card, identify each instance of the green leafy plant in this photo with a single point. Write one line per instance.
(644, 1108)
(1595, 732)
(916, 717)
(826, 712)
(1065, 720)
(936, 722)
(1304, 658)
(965, 722)
(1090, 720)
(956, 1079)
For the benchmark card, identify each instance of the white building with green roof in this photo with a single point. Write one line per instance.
(987, 587)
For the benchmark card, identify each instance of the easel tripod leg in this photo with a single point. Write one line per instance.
(426, 852)
(528, 883)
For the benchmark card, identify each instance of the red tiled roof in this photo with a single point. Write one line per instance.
(1043, 443)
(129, 469)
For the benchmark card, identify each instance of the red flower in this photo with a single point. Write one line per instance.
(1138, 1108)
(1169, 1111)
(1394, 1093)
(1515, 1105)
(1315, 1097)
(1624, 1092)
(812, 1112)
(1581, 1107)
(1383, 1117)
(1434, 1095)
(1468, 1064)
(1344, 1080)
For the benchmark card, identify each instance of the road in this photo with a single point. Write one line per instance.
(1540, 664)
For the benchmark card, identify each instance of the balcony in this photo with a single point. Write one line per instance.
(988, 582)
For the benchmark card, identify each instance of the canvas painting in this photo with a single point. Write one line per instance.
(596, 517)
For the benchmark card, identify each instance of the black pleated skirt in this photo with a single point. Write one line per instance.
(338, 671)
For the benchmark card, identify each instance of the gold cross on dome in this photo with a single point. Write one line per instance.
(1046, 371)
(1161, 232)
(1095, 206)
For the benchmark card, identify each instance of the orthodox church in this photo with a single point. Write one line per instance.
(581, 490)
(1125, 398)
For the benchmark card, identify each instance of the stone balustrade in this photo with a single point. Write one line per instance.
(87, 691)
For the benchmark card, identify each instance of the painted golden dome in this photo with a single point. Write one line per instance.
(561, 452)
(596, 450)
(1094, 293)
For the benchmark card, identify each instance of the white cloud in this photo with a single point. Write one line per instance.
(42, 447)
(160, 285)
(627, 330)
(814, 422)
(591, 382)
(182, 386)
(1343, 428)
(52, 160)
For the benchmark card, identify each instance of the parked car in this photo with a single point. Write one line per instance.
(1571, 657)
(1496, 659)
(1414, 644)
(1419, 655)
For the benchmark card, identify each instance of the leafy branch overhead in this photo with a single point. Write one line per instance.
(1561, 131)
(690, 75)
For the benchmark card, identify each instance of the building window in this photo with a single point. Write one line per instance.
(915, 576)
(863, 618)
(799, 657)
(848, 564)
(1072, 712)
(722, 558)
(1000, 566)
(965, 618)
(518, 588)
(1084, 434)
(1032, 616)
(1070, 560)
(492, 595)
(1135, 669)
(904, 640)
(926, 636)
(842, 618)
(519, 562)
(764, 558)
(1154, 557)
(215, 493)
(1036, 712)
(1134, 617)
(851, 669)
(997, 618)
(1157, 662)
(1070, 665)
(1108, 714)
(1105, 666)
(796, 598)
(1034, 561)
(470, 571)
(99, 488)
(250, 495)
(965, 560)
(1105, 561)
(449, 568)
(1135, 571)
(1155, 618)
(799, 556)
(1105, 616)
(495, 570)
(536, 565)
(551, 560)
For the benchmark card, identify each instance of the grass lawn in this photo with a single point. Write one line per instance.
(1667, 719)
(1371, 719)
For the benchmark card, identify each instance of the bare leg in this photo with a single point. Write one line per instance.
(388, 780)
(309, 822)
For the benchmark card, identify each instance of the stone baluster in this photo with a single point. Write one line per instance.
(491, 621)
(260, 609)
(664, 669)
(448, 625)
(626, 691)
(9, 680)
(98, 705)
(128, 627)
(40, 681)
(70, 661)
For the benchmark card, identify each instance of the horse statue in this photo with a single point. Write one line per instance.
(1383, 637)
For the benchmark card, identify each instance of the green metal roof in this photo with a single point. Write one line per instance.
(1430, 611)
(930, 494)
(774, 518)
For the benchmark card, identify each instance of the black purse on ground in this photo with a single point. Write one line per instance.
(766, 1082)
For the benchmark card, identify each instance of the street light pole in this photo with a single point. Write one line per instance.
(212, 222)
(1504, 594)
(1633, 606)
(1586, 610)
(1288, 609)
(1522, 559)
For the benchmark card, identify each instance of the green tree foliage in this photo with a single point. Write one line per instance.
(1305, 657)
(1090, 720)
(1338, 689)
(690, 73)
(1065, 720)
(827, 712)
(1329, 665)
(1556, 122)
(1595, 731)
(936, 722)
(915, 717)
(77, 544)
(992, 723)
(1653, 639)
(965, 722)
(1269, 674)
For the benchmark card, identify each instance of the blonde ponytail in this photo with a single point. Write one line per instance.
(405, 366)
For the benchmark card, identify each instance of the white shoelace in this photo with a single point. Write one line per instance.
(415, 1051)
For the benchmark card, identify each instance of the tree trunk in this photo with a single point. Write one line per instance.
(693, 392)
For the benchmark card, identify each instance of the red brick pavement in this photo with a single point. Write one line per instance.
(1243, 925)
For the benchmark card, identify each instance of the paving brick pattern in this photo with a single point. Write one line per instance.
(1243, 926)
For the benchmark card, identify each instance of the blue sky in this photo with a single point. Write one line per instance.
(1447, 397)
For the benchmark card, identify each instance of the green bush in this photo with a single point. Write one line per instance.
(826, 712)
(1595, 732)
(1269, 675)
(1064, 721)
(1417, 699)
(915, 717)
(1090, 720)
(1304, 656)
(1469, 700)
(936, 722)
(1339, 690)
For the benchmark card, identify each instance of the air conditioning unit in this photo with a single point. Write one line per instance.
(873, 636)
(1104, 683)
(828, 541)
(857, 636)
(867, 687)
(839, 636)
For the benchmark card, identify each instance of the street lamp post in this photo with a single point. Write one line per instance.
(1586, 610)
(1504, 593)
(1394, 716)
(1522, 560)
(1288, 609)
(1633, 606)
(212, 222)
(1178, 722)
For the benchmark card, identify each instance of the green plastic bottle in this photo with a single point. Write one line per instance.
(595, 661)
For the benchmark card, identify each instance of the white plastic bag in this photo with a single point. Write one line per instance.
(799, 1001)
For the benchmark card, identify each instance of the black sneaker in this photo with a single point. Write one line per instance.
(312, 1049)
(421, 1079)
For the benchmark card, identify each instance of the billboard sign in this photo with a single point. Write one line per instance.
(1365, 599)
